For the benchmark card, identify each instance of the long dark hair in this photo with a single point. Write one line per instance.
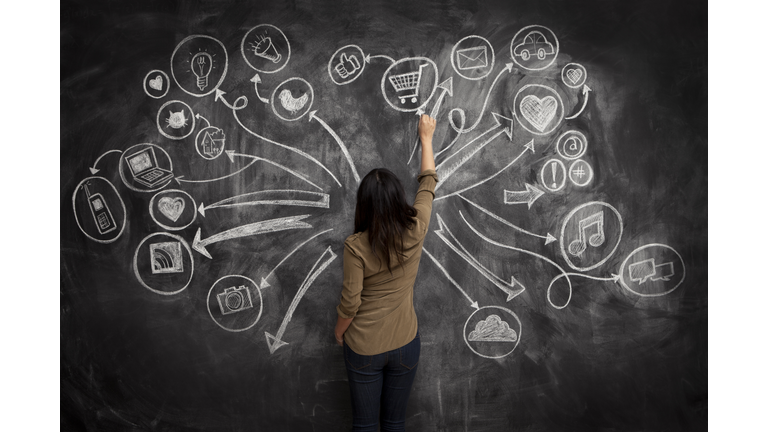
(383, 211)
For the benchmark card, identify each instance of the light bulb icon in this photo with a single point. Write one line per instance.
(202, 63)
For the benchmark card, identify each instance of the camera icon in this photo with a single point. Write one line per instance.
(234, 300)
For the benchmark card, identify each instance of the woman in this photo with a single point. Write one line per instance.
(376, 323)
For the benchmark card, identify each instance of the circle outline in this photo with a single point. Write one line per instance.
(122, 204)
(223, 75)
(198, 136)
(208, 303)
(490, 68)
(136, 264)
(330, 71)
(565, 174)
(121, 170)
(562, 235)
(162, 132)
(167, 87)
(562, 114)
(519, 335)
(570, 173)
(403, 60)
(152, 210)
(581, 136)
(562, 75)
(242, 49)
(554, 57)
(621, 270)
(311, 99)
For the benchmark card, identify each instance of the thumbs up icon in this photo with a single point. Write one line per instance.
(347, 65)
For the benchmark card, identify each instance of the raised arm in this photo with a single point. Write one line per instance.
(426, 130)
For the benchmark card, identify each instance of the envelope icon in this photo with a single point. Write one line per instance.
(472, 58)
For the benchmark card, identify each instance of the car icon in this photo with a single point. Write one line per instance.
(534, 43)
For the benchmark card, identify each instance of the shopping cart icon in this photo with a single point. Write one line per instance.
(407, 82)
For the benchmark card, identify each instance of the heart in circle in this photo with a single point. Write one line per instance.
(171, 207)
(156, 83)
(539, 112)
(574, 75)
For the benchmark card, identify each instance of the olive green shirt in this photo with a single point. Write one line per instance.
(381, 302)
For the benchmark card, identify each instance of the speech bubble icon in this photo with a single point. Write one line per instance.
(664, 271)
(642, 270)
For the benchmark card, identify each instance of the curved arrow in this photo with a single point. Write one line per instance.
(528, 146)
(508, 288)
(313, 116)
(270, 197)
(456, 284)
(585, 91)
(456, 160)
(493, 242)
(231, 154)
(460, 129)
(93, 168)
(275, 342)
(549, 238)
(180, 179)
(528, 196)
(369, 57)
(261, 227)
(256, 80)
(295, 150)
(199, 117)
(264, 284)
(220, 95)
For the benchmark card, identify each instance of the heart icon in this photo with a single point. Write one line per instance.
(574, 75)
(171, 207)
(539, 112)
(157, 83)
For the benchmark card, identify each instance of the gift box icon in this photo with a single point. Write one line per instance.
(472, 58)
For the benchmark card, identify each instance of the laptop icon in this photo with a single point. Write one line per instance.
(144, 169)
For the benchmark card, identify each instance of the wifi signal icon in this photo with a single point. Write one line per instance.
(166, 257)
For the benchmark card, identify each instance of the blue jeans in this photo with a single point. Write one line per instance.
(380, 386)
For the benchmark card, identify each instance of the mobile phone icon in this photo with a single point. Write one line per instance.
(101, 214)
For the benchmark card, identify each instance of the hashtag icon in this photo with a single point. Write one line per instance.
(579, 172)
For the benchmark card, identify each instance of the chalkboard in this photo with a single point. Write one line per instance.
(210, 155)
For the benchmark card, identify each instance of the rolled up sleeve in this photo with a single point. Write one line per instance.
(425, 195)
(352, 285)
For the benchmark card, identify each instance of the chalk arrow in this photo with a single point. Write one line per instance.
(261, 227)
(585, 91)
(513, 288)
(456, 284)
(93, 168)
(549, 238)
(275, 342)
(283, 197)
(264, 283)
(313, 116)
(528, 196)
(456, 160)
(199, 117)
(460, 129)
(256, 80)
(220, 96)
(231, 155)
(368, 58)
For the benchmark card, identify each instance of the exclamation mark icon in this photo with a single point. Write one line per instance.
(554, 178)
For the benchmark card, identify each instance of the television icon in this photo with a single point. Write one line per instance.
(144, 169)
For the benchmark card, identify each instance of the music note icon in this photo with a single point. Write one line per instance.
(578, 246)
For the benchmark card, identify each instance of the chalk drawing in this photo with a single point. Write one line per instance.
(345, 64)
(286, 147)
(165, 273)
(549, 238)
(652, 270)
(512, 289)
(313, 116)
(527, 147)
(592, 216)
(265, 48)
(93, 168)
(282, 197)
(528, 196)
(156, 84)
(290, 108)
(538, 109)
(234, 303)
(614, 278)
(553, 175)
(534, 47)
(275, 342)
(240, 103)
(264, 283)
(199, 64)
(147, 173)
(175, 120)
(450, 279)
(492, 332)
(401, 83)
(472, 57)
(580, 173)
(170, 205)
(231, 155)
(209, 142)
(256, 80)
(106, 215)
(571, 145)
(462, 115)
(573, 75)
(368, 58)
(447, 87)
(180, 179)
(584, 91)
(450, 165)
(261, 227)
(525, 251)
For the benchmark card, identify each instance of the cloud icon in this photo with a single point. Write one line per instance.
(492, 329)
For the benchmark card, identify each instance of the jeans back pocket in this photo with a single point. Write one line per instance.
(409, 354)
(354, 360)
